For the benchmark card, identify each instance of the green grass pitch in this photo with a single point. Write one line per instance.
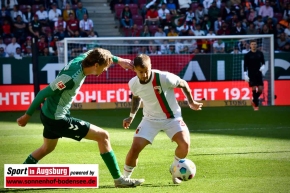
(235, 149)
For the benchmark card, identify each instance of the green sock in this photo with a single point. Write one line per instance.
(112, 164)
(30, 160)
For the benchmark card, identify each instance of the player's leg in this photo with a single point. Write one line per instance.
(101, 136)
(179, 133)
(144, 135)
(46, 148)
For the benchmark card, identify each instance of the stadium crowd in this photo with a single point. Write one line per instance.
(52, 20)
(203, 18)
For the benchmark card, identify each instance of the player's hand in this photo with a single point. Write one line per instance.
(247, 79)
(195, 106)
(127, 122)
(22, 121)
(262, 68)
(126, 63)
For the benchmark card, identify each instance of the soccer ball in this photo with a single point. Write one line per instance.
(184, 170)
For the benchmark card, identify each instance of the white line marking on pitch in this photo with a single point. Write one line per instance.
(238, 129)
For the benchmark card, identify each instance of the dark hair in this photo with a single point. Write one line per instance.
(142, 60)
(97, 55)
(255, 41)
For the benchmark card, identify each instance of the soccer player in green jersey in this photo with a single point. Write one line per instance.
(55, 114)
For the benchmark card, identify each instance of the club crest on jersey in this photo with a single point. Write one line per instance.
(137, 130)
(158, 89)
(60, 85)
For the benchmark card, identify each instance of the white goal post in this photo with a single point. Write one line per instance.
(205, 71)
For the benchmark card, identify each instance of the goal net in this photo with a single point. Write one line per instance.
(213, 66)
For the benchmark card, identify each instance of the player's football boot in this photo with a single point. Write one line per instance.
(255, 107)
(176, 180)
(124, 182)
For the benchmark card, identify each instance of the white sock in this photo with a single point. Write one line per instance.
(176, 160)
(128, 170)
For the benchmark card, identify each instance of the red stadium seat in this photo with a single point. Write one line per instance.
(23, 8)
(140, 28)
(137, 19)
(118, 10)
(34, 8)
(127, 32)
(142, 2)
(134, 9)
(7, 41)
(278, 16)
(153, 29)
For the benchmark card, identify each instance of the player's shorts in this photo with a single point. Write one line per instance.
(68, 127)
(148, 129)
(256, 80)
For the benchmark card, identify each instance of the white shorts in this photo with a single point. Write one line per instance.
(148, 129)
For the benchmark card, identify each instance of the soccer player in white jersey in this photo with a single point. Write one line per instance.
(55, 115)
(160, 109)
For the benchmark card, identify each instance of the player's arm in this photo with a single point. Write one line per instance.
(246, 62)
(136, 102)
(124, 63)
(40, 97)
(187, 92)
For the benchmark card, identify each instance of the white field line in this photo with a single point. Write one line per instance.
(232, 129)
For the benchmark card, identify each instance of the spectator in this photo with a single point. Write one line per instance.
(219, 46)
(164, 48)
(113, 3)
(198, 31)
(135, 31)
(86, 26)
(162, 13)
(73, 26)
(27, 15)
(42, 16)
(172, 49)
(152, 17)
(282, 41)
(179, 46)
(53, 15)
(19, 29)
(252, 15)
(213, 12)
(6, 29)
(35, 27)
(27, 43)
(266, 30)
(10, 4)
(191, 44)
(81, 11)
(5, 14)
(171, 6)
(287, 30)
(15, 12)
(154, 51)
(267, 11)
(286, 48)
(18, 54)
(224, 30)
(145, 32)
(62, 5)
(207, 4)
(11, 48)
(218, 23)
(184, 5)
(3, 53)
(28, 52)
(60, 27)
(236, 50)
(286, 13)
(199, 12)
(210, 32)
(189, 16)
(92, 35)
(126, 17)
(183, 30)
(259, 23)
(279, 29)
(159, 33)
(238, 30)
(66, 12)
(185, 50)
(2, 45)
(252, 30)
(52, 46)
(246, 49)
(46, 52)
(205, 24)
(172, 32)
(192, 27)
(41, 44)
